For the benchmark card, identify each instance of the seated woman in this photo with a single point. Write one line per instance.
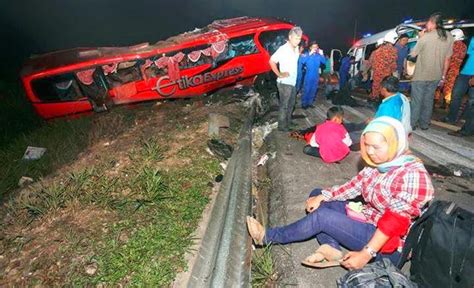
(395, 187)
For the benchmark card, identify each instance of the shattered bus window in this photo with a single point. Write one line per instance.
(93, 85)
(126, 72)
(240, 46)
(57, 88)
(272, 40)
(196, 56)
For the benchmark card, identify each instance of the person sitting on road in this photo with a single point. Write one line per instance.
(330, 140)
(395, 187)
(394, 104)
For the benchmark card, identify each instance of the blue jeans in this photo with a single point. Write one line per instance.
(330, 225)
(287, 95)
(461, 86)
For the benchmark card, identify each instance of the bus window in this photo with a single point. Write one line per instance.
(151, 70)
(195, 57)
(239, 46)
(126, 72)
(272, 40)
(57, 88)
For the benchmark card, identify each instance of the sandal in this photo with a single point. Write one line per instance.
(256, 230)
(325, 256)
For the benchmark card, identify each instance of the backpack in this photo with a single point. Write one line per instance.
(343, 97)
(441, 243)
(378, 274)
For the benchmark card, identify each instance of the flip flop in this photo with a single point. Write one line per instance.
(325, 256)
(256, 230)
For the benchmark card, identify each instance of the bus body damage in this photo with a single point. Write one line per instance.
(193, 63)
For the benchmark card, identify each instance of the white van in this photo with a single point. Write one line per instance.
(362, 49)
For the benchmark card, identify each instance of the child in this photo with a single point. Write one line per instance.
(330, 141)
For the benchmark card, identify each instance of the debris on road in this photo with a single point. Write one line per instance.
(34, 153)
(262, 160)
(259, 133)
(217, 121)
(220, 148)
(24, 181)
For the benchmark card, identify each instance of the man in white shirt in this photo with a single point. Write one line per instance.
(287, 58)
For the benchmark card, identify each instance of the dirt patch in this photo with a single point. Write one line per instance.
(39, 252)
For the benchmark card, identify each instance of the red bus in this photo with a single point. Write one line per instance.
(193, 63)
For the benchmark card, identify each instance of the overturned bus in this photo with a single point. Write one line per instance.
(193, 63)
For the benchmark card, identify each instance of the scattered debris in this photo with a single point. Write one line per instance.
(263, 160)
(210, 152)
(259, 133)
(220, 148)
(217, 121)
(24, 181)
(91, 269)
(457, 173)
(253, 98)
(34, 153)
(223, 165)
(238, 86)
(219, 178)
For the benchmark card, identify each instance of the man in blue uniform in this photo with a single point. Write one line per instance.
(344, 76)
(312, 61)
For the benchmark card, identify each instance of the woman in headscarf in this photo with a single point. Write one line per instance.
(395, 187)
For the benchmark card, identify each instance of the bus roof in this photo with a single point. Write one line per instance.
(217, 30)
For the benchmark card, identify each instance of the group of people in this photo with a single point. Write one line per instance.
(440, 66)
(394, 186)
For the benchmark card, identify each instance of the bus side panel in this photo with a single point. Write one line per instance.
(58, 109)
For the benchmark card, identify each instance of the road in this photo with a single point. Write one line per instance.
(294, 175)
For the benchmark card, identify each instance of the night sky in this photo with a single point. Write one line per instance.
(38, 26)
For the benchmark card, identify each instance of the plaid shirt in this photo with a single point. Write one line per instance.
(403, 190)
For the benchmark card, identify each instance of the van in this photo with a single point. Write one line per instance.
(362, 49)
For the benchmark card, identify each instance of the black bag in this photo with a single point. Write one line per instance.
(343, 97)
(441, 247)
(378, 274)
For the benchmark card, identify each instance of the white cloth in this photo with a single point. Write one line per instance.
(406, 114)
(287, 58)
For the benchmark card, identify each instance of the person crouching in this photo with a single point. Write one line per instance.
(330, 140)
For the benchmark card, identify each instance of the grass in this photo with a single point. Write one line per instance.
(64, 139)
(263, 268)
(157, 208)
(146, 211)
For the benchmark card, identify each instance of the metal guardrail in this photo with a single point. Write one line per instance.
(224, 256)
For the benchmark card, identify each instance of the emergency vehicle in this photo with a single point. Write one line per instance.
(362, 49)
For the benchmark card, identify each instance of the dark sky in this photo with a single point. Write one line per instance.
(38, 26)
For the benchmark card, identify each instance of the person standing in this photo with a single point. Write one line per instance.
(459, 52)
(344, 76)
(312, 61)
(433, 52)
(464, 82)
(468, 128)
(287, 58)
(402, 53)
(383, 62)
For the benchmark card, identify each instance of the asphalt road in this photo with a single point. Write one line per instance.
(295, 174)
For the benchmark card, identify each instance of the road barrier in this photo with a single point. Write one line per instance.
(224, 256)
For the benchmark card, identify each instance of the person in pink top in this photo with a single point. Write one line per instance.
(330, 141)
